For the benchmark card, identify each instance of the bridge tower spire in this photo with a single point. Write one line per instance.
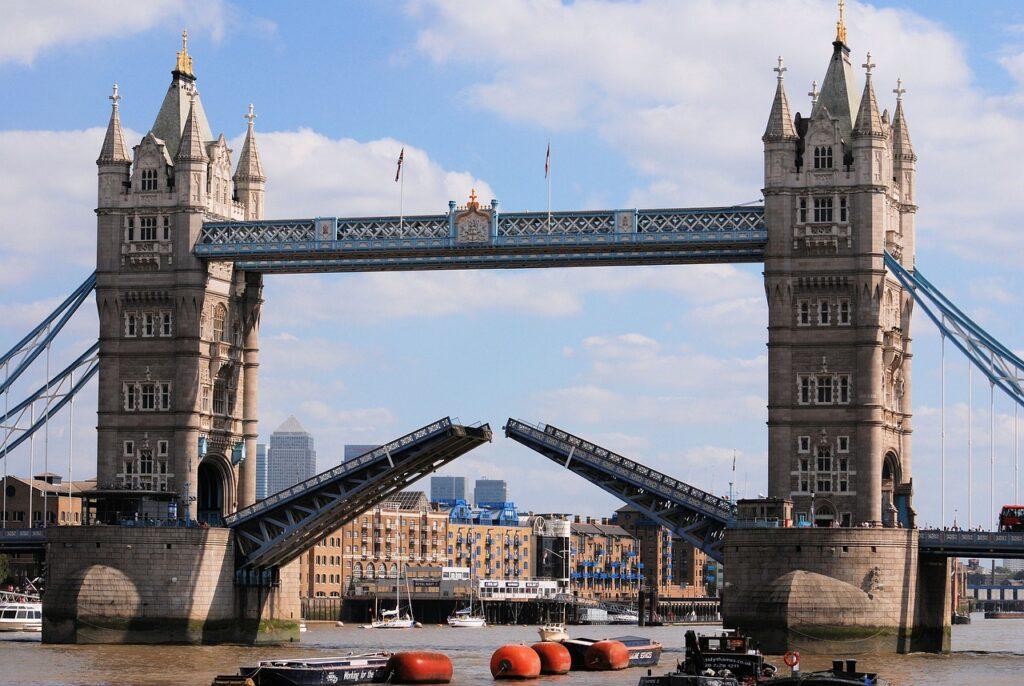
(178, 335)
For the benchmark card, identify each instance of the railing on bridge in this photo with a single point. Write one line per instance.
(22, 540)
(1001, 544)
(279, 528)
(690, 513)
(520, 239)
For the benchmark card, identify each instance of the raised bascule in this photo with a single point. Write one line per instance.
(182, 247)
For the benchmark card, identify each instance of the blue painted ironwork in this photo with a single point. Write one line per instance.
(518, 239)
(279, 528)
(998, 544)
(22, 540)
(998, 363)
(697, 516)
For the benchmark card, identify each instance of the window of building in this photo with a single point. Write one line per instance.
(803, 211)
(823, 157)
(805, 486)
(220, 399)
(824, 459)
(130, 229)
(844, 444)
(146, 462)
(844, 464)
(148, 396)
(131, 324)
(843, 214)
(149, 325)
(805, 464)
(147, 228)
(219, 313)
(205, 402)
(844, 311)
(167, 228)
(148, 179)
(165, 396)
(165, 324)
(824, 385)
(806, 389)
(804, 313)
(846, 519)
(844, 388)
(823, 209)
(130, 398)
(843, 486)
(804, 444)
(161, 448)
(129, 448)
(824, 485)
(824, 312)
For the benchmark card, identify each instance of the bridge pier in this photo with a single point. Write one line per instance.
(113, 584)
(837, 591)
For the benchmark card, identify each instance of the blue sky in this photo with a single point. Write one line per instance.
(647, 103)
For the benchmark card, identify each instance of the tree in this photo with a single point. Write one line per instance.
(5, 568)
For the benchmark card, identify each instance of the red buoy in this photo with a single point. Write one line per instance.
(607, 655)
(419, 668)
(515, 662)
(554, 657)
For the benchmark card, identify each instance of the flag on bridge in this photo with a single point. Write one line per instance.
(547, 161)
(401, 158)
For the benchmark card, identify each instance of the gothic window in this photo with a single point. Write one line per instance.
(844, 388)
(165, 396)
(803, 210)
(824, 390)
(806, 390)
(129, 448)
(130, 399)
(844, 443)
(161, 448)
(220, 398)
(131, 325)
(149, 179)
(823, 209)
(824, 459)
(824, 313)
(844, 312)
(146, 462)
(823, 157)
(149, 325)
(167, 228)
(205, 404)
(147, 228)
(165, 324)
(219, 313)
(804, 309)
(130, 230)
(804, 444)
(824, 485)
(843, 212)
(148, 396)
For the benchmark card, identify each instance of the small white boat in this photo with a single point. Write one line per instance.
(392, 619)
(465, 618)
(21, 616)
(554, 631)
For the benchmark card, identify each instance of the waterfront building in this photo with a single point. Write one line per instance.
(491, 550)
(487, 491)
(447, 488)
(351, 452)
(551, 534)
(692, 569)
(292, 456)
(655, 548)
(26, 503)
(402, 530)
(604, 560)
(261, 471)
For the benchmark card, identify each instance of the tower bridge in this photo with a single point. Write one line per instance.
(182, 247)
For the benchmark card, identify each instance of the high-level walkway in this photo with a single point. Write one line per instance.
(694, 515)
(281, 527)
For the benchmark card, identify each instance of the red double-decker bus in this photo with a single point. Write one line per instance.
(1011, 518)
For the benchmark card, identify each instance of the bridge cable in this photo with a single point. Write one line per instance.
(970, 441)
(7, 394)
(46, 441)
(942, 429)
(992, 456)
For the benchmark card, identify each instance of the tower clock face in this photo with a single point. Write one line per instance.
(474, 229)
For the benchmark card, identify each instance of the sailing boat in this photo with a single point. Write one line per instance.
(396, 619)
(466, 618)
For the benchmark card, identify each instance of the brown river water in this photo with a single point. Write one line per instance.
(985, 653)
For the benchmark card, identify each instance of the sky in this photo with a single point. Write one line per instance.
(649, 103)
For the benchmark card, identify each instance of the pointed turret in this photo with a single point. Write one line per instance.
(250, 181)
(170, 120)
(901, 145)
(191, 148)
(869, 122)
(114, 150)
(780, 121)
(839, 90)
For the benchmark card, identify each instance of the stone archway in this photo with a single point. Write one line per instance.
(824, 513)
(892, 473)
(213, 491)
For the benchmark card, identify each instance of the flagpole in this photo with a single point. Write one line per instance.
(401, 202)
(547, 171)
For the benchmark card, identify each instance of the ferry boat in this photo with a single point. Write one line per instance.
(553, 631)
(643, 652)
(19, 612)
(367, 668)
(624, 617)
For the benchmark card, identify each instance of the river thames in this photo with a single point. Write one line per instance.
(985, 653)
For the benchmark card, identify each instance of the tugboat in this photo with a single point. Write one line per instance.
(727, 659)
(643, 652)
(843, 673)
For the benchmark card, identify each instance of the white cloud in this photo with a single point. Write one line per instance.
(30, 29)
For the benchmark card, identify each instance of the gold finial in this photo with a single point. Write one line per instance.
(841, 24)
(184, 59)
(472, 204)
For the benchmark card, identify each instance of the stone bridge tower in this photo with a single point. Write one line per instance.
(839, 192)
(178, 336)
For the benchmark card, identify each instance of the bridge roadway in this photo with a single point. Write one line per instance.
(500, 241)
(281, 527)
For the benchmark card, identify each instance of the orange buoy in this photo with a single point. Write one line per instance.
(554, 657)
(419, 667)
(515, 662)
(606, 655)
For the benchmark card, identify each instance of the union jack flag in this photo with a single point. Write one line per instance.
(401, 158)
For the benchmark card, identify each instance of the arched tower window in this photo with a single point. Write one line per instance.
(219, 314)
(823, 157)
